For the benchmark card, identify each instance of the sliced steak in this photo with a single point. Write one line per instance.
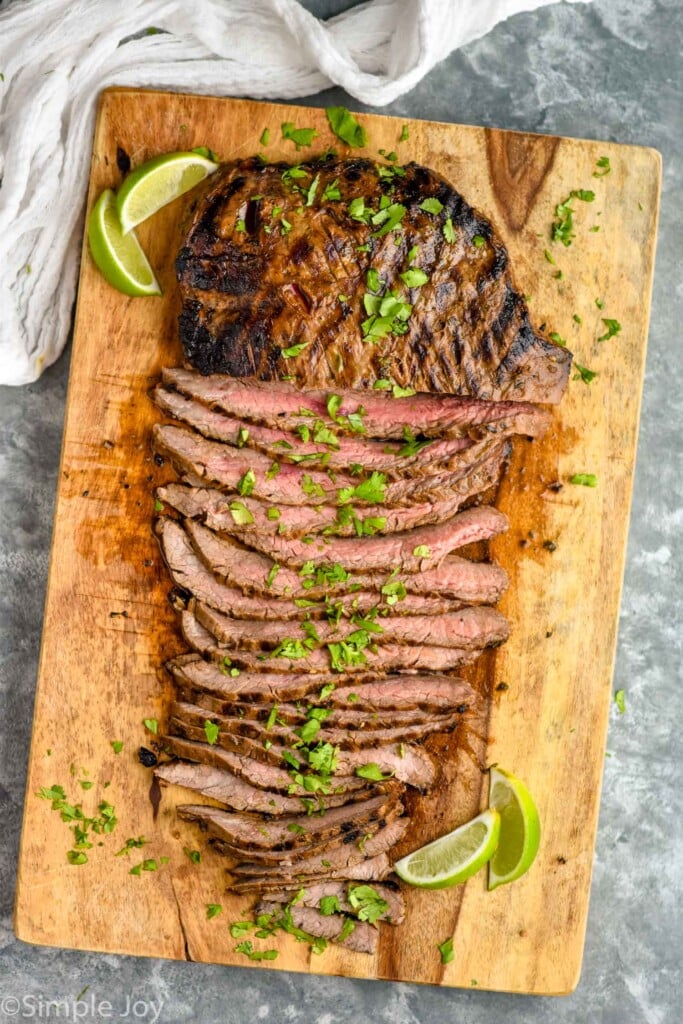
(248, 295)
(299, 832)
(333, 453)
(365, 693)
(371, 869)
(190, 573)
(335, 863)
(359, 936)
(345, 739)
(311, 895)
(386, 658)
(212, 507)
(473, 582)
(264, 776)
(239, 795)
(413, 551)
(467, 629)
(408, 763)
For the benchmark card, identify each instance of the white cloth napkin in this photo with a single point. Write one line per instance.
(56, 56)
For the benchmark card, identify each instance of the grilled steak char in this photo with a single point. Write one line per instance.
(260, 276)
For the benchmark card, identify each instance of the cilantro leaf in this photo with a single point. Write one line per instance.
(346, 127)
(299, 136)
(584, 374)
(211, 731)
(431, 205)
(604, 167)
(294, 350)
(613, 328)
(584, 479)
(620, 700)
(240, 513)
(449, 231)
(372, 771)
(446, 950)
(414, 277)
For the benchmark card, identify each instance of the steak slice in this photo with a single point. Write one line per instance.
(367, 693)
(301, 832)
(369, 870)
(336, 863)
(191, 574)
(335, 452)
(472, 582)
(283, 484)
(361, 938)
(313, 894)
(345, 739)
(407, 762)
(248, 295)
(239, 795)
(212, 507)
(274, 779)
(387, 658)
(413, 551)
(467, 629)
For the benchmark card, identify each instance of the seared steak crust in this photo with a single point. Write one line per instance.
(261, 275)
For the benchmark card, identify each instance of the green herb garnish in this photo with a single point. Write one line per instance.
(299, 136)
(446, 950)
(585, 479)
(346, 127)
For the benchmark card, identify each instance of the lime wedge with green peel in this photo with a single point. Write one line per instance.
(119, 257)
(158, 182)
(520, 828)
(454, 857)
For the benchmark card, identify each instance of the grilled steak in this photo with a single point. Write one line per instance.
(191, 574)
(337, 453)
(239, 795)
(413, 551)
(369, 870)
(302, 832)
(284, 484)
(333, 864)
(345, 739)
(366, 693)
(386, 658)
(284, 407)
(473, 582)
(467, 629)
(264, 776)
(212, 507)
(313, 894)
(250, 296)
(359, 936)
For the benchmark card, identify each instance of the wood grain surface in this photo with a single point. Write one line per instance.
(109, 625)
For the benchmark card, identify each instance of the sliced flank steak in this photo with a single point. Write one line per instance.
(311, 896)
(370, 869)
(412, 551)
(387, 657)
(239, 795)
(461, 579)
(190, 573)
(468, 629)
(349, 932)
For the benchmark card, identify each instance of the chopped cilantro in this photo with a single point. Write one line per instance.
(585, 479)
(329, 905)
(549, 256)
(372, 771)
(265, 137)
(613, 328)
(448, 231)
(294, 350)
(194, 855)
(371, 490)
(348, 927)
(389, 218)
(563, 227)
(240, 513)
(382, 385)
(158, 505)
(478, 241)
(373, 280)
(246, 484)
(422, 551)
(313, 188)
(620, 700)
(431, 205)
(367, 903)
(299, 136)
(584, 374)
(577, 319)
(603, 167)
(247, 947)
(151, 724)
(446, 950)
(274, 570)
(399, 392)
(327, 689)
(346, 127)
(558, 339)
(211, 731)
(414, 278)
(117, 746)
(76, 857)
(405, 135)
(331, 192)
(213, 910)
(273, 513)
(241, 226)
(599, 303)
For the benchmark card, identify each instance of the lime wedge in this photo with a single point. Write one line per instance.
(157, 182)
(520, 828)
(119, 257)
(454, 857)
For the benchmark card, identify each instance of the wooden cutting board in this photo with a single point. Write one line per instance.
(109, 625)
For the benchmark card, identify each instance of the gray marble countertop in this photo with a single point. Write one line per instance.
(607, 71)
